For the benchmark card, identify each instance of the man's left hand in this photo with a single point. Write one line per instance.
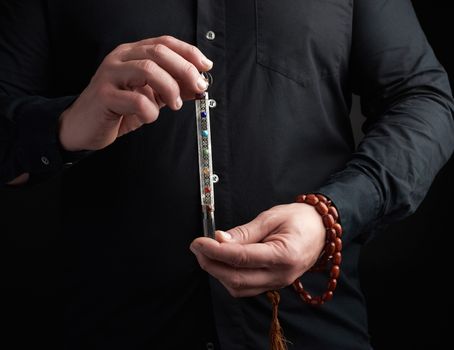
(268, 253)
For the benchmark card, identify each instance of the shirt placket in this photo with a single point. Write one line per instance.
(211, 40)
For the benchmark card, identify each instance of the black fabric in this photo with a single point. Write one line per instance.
(417, 249)
(283, 77)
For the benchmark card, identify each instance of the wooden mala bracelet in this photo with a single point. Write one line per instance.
(331, 252)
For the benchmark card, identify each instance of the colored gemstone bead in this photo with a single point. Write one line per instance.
(207, 190)
(205, 133)
(203, 114)
(206, 152)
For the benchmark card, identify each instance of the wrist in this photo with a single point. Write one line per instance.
(70, 152)
(312, 224)
(331, 253)
(66, 134)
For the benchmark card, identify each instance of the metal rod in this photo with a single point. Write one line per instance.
(205, 163)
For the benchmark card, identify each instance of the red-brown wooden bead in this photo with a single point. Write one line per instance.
(338, 243)
(332, 284)
(311, 199)
(306, 296)
(334, 213)
(327, 296)
(337, 258)
(328, 221)
(330, 248)
(302, 298)
(322, 198)
(338, 229)
(298, 286)
(316, 300)
(301, 198)
(322, 208)
(335, 272)
(331, 234)
(331, 252)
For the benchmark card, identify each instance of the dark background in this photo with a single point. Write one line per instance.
(405, 270)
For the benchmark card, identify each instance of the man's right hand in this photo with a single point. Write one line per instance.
(130, 86)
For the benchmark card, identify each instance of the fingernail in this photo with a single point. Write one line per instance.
(202, 84)
(192, 248)
(179, 102)
(226, 235)
(206, 62)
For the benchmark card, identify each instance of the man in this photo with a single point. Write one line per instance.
(101, 77)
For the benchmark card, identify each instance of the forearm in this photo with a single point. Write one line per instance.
(409, 133)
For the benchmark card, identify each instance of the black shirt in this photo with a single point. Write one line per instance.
(284, 74)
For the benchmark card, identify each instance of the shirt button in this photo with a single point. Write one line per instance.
(210, 35)
(215, 179)
(45, 160)
(210, 346)
(212, 103)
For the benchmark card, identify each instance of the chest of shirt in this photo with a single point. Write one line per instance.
(303, 40)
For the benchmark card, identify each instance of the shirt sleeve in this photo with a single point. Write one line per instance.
(409, 131)
(28, 111)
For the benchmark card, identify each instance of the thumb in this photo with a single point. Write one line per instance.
(252, 232)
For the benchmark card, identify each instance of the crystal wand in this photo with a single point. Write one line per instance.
(202, 109)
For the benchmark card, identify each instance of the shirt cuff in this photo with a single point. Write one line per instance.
(35, 121)
(358, 202)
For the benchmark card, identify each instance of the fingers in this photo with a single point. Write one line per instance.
(126, 102)
(269, 252)
(255, 230)
(182, 70)
(133, 74)
(133, 122)
(151, 94)
(128, 124)
(20, 180)
(185, 50)
(242, 282)
(256, 255)
(127, 92)
(168, 65)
